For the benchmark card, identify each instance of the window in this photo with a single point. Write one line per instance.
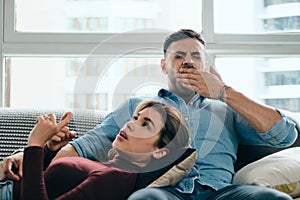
(257, 16)
(262, 78)
(105, 15)
(65, 53)
(78, 82)
(282, 78)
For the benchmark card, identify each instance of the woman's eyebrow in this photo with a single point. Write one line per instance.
(146, 119)
(149, 120)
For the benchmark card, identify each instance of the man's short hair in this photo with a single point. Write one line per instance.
(181, 34)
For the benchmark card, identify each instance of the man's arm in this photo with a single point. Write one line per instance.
(66, 151)
(11, 167)
(261, 117)
(211, 85)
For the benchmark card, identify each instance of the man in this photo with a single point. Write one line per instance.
(219, 118)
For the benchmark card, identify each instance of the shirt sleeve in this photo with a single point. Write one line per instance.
(282, 134)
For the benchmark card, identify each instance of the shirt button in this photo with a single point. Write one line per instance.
(186, 118)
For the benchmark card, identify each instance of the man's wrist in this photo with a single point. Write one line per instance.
(222, 93)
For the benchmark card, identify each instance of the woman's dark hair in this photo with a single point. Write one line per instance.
(175, 133)
(179, 35)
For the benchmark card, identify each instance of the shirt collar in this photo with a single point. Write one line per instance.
(166, 93)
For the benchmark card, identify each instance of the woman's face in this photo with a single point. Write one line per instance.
(141, 133)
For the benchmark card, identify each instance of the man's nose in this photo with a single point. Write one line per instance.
(188, 63)
(188, 60)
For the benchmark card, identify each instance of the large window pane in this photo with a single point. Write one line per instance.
(256, 16)
(92, 83)
(272, 80)
(106, 15)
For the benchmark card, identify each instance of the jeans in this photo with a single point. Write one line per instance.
(232, 192)
(6, 190)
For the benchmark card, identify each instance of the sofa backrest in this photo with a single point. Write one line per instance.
(247, 153)
(16, 124)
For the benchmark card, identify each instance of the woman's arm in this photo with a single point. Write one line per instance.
(33, 183)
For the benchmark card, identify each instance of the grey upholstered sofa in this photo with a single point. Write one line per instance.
(15, 124)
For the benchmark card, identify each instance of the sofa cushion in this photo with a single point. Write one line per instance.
(168, 170)
(177, 172)
(280, 171)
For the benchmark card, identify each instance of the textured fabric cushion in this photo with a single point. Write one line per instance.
(171, 168)
(280, 171)
(177, 172)
(16, 124)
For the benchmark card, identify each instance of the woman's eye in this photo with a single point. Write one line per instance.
(134, 117)
(145, 124)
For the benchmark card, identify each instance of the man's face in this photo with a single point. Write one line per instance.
(185, 52)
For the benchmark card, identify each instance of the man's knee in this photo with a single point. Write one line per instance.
(249, 192)
(271, 194)
(152, 194)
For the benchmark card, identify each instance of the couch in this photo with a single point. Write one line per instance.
(16, 123)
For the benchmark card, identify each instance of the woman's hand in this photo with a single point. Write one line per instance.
(46, 127)
(62, 138)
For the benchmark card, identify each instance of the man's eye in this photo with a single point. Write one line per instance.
(197, 56)
(178, 56)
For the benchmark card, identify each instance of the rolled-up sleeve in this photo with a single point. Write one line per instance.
(282, 134)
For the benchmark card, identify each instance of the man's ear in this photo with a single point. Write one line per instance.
(163, 66)
(159, 153)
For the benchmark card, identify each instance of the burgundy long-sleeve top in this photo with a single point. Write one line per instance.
(72, 178)
(81, 178)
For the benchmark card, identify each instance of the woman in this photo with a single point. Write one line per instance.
(154, 131)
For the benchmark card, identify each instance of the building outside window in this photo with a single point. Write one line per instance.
(44, 46)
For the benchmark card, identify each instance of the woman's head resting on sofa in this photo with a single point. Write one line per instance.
(154, 130)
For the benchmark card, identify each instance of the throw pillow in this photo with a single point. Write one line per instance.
(280, 171)
(177, 172)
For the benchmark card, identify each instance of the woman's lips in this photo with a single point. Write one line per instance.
(123, 134)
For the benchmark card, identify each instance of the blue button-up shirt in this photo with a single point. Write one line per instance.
(216, 131)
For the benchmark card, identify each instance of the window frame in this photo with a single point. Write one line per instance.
(1, 54)
(79, 44)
